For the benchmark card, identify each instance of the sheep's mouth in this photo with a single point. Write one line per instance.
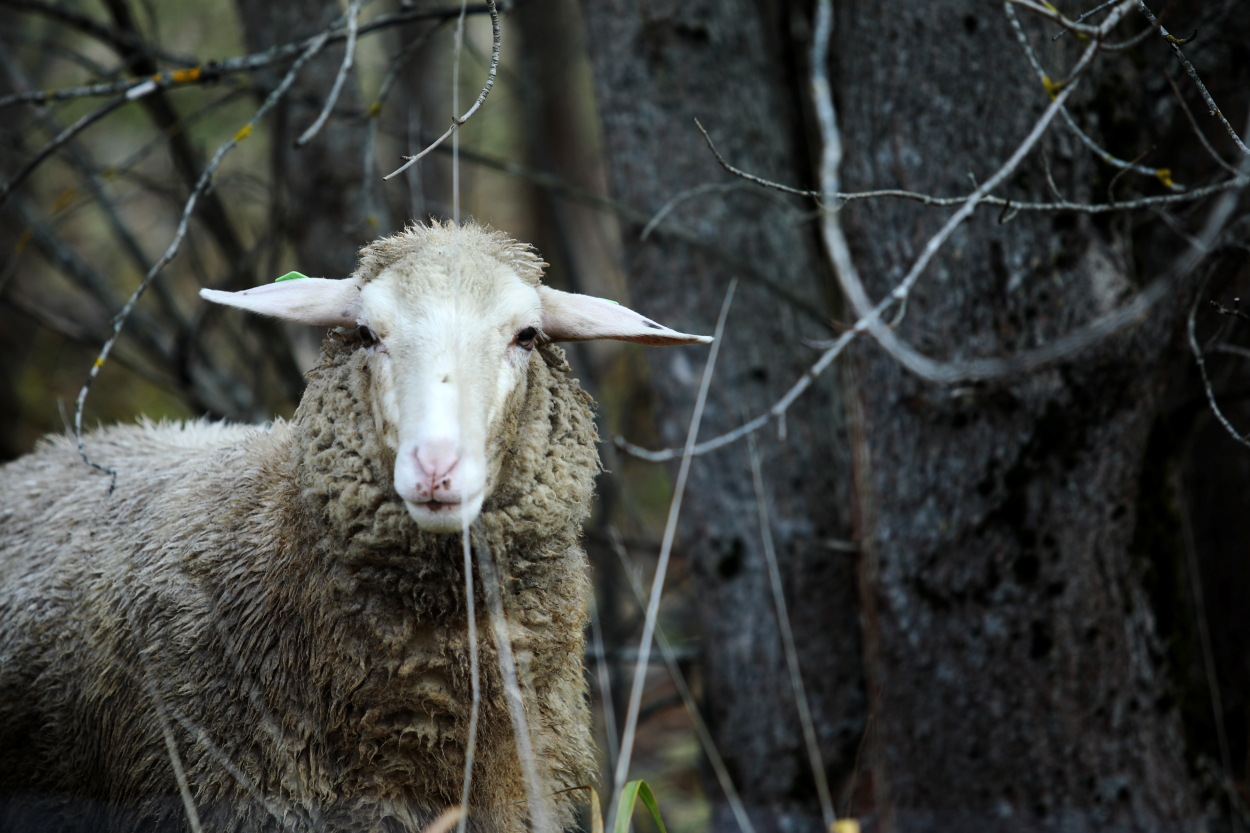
(445, 515)
(440, 506)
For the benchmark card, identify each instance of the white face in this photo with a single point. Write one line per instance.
(451, 331)
(445, 364)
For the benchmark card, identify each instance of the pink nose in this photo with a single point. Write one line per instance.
(435, 460)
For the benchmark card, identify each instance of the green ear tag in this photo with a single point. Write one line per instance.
(290, 276)
(609, 300)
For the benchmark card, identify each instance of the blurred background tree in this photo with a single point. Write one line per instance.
(1016, 591)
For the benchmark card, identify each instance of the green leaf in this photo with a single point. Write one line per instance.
(629, 796)
(290, 276)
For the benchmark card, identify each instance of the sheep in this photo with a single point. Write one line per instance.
(280, 611)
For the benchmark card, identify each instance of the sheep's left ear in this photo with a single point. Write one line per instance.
(317, 301)
(571, 317)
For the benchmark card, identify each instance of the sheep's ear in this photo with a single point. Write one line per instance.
(571, 317)
(317, 301)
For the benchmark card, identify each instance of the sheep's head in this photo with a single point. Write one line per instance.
(449, 318)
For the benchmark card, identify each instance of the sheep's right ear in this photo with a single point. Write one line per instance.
(568, 316)
(317, 301)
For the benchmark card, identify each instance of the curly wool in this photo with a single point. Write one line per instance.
(267, 590)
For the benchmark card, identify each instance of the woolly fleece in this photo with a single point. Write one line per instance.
(267, 591)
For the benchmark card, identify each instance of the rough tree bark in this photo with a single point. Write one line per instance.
(1019, 542)
(1022, 678)
(657, 66)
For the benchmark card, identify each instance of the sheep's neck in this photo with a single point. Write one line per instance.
(390, 658)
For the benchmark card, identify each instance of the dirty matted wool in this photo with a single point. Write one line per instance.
(265, 591)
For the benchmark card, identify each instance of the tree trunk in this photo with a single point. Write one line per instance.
(1027, 633)
(1020, 646)
(657, 66)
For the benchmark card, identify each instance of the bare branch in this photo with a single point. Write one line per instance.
(215, 70)
(851, 284)
(1202, 137)
(1200, 358)
(456, 123)
(929, 369)
(783, 618)
(1051, 13)
(837, 197)
(158, 704)
(679, 680)
(666, 549)
(377, 205)
(492, 583)
(1164, 175)
(1235, 311)
(1085, 16)
(474, 676)
(205, 178)
(353, 13)
(1193, 73)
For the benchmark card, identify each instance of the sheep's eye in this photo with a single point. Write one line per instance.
(526, 337)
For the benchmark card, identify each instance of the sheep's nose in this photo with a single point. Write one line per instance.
(435, 460)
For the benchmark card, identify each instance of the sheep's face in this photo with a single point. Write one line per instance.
(450, 318)
(449, 357)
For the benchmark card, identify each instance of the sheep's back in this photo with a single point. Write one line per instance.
(89, 571)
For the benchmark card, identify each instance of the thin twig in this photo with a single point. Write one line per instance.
(158, 703)
(279, 814)
(849, 279)
(349, 55)
(950, 372)
(1230, 349)
(683, 689)
(200, 186)
(1051, 13)
(493, 585)
(1164, 175)
(787, 636)
(457, 122)
(1235, 311)
(775, 412)
(1193, 74)
(471, 614)
(81, 160)
(1193, 122)
(215, 70)
(834, 198)
(1200, 358)
(376, 204)
(1084, 17)
(666, 549)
